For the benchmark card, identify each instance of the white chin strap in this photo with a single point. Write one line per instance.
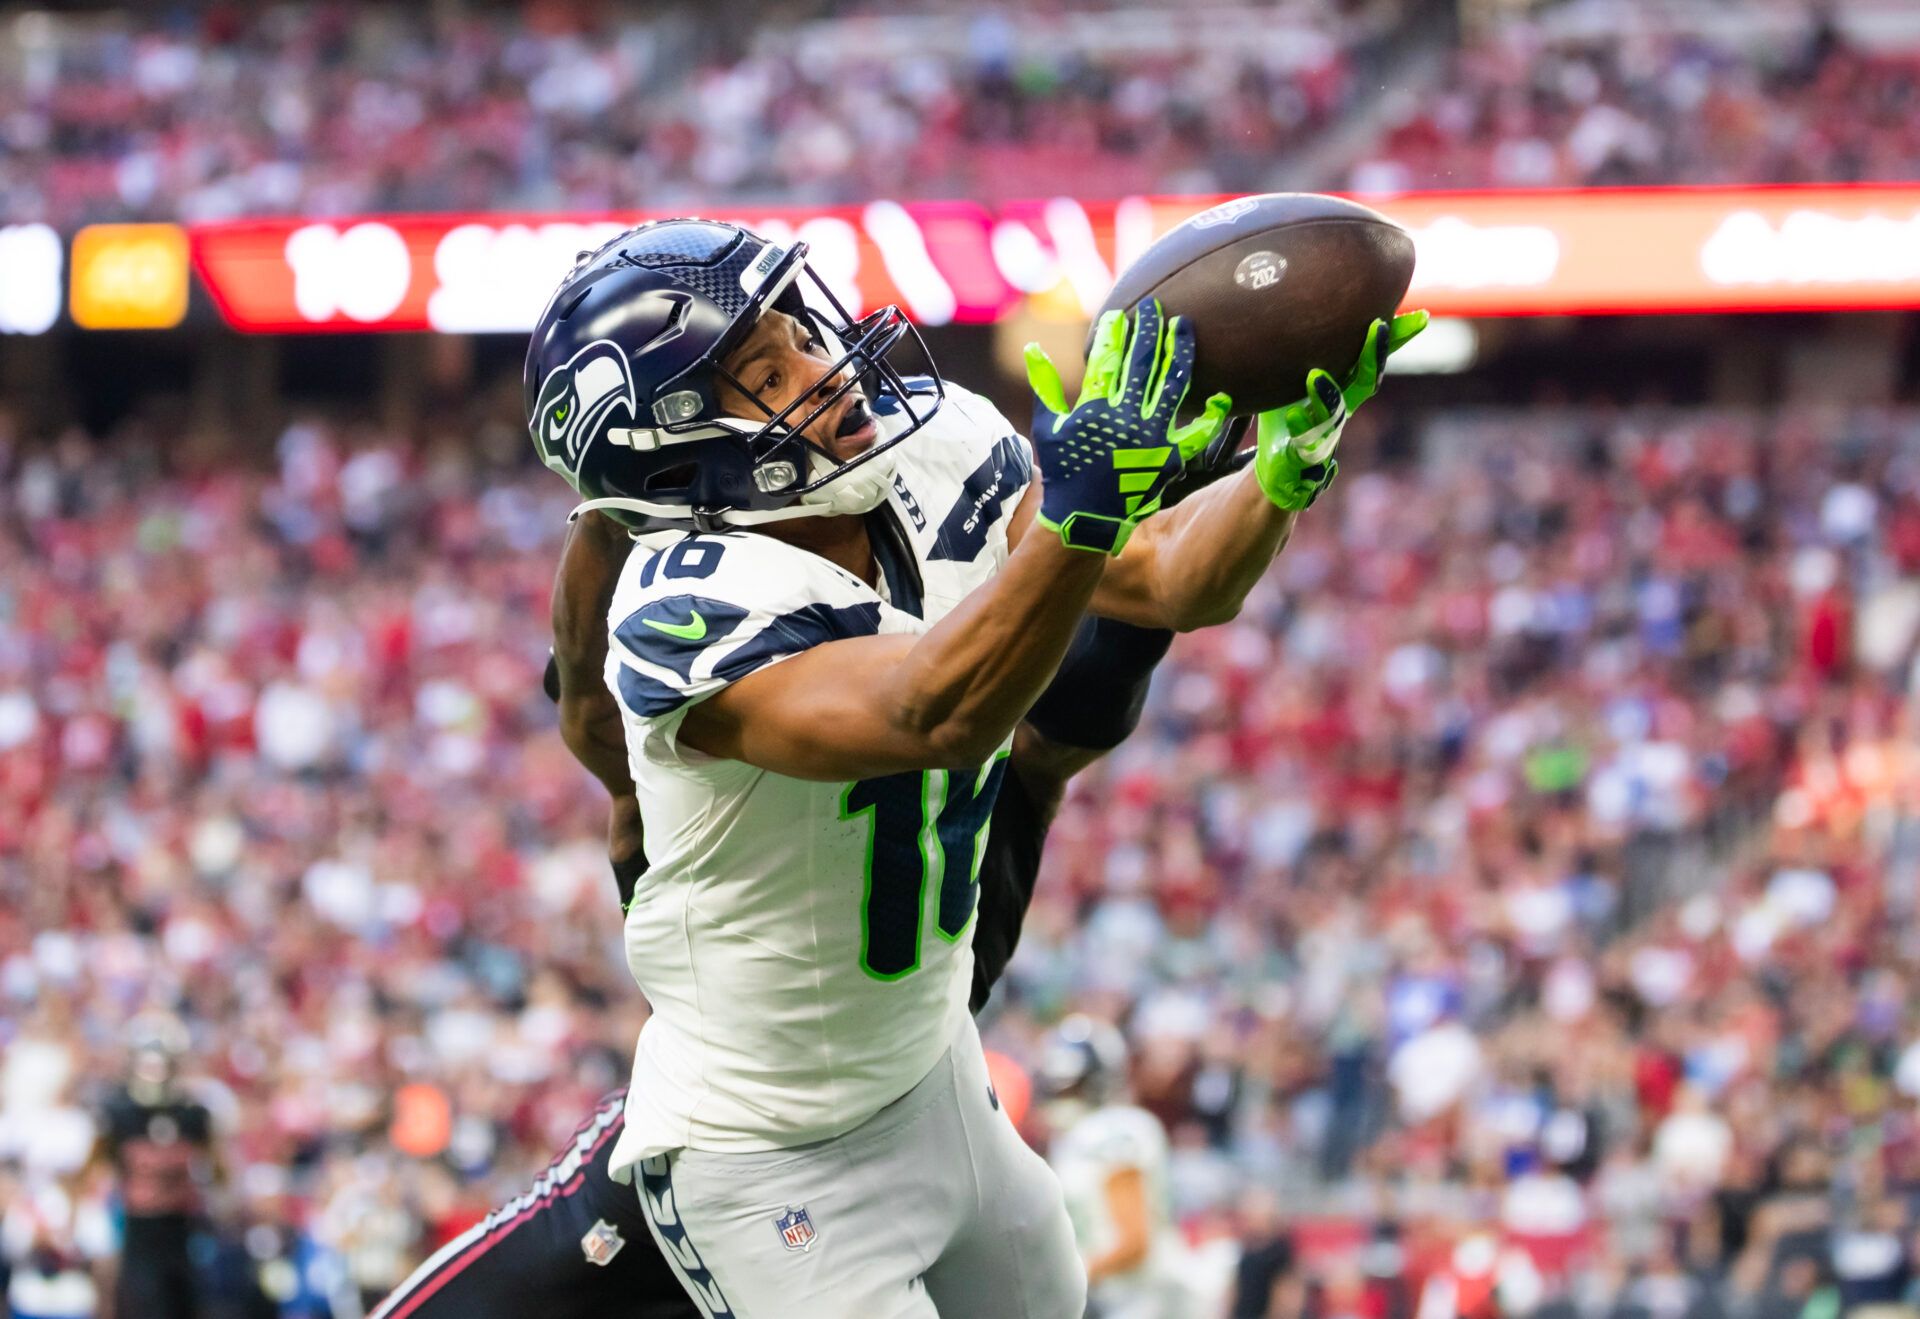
(860, 490)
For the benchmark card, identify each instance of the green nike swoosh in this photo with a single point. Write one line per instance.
(685, 631)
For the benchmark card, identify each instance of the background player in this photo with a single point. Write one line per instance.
(1111, 1157)
(159, 1140)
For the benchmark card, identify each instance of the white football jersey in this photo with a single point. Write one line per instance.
(806, 946)
(1085, 1156)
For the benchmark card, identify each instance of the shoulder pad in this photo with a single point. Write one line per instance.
(968, 474)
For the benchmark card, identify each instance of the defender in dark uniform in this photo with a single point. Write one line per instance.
(160, 1143)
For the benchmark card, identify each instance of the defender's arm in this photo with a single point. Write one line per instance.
(596, 547)
(590, 561)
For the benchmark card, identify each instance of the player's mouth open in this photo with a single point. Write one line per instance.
(856, 425)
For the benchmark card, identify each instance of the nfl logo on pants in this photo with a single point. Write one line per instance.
(796, 1228)
(601, 1243)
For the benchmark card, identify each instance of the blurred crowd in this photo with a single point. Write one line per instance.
(274, 758)
(1634, 103)
(1522, 892)
(204, 112)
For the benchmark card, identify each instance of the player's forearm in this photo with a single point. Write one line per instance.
(967, 683)
(1126, 1254)
(591, 557)
(1126, 1192)
(1202, 559)
(626, 837)
(1122, 1259)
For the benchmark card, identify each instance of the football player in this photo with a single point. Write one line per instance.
(576, 1245)
(820, 661)
(1111, 1158)
(159, 1139)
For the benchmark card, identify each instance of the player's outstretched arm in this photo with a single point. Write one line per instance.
(867, 706)
(1194, 566)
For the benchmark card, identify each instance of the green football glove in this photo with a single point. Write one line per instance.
(1106, 462)
(1293, 460)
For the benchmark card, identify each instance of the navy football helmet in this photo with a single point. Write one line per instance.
(622, 371)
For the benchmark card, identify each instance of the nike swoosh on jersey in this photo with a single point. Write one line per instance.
(692, 631)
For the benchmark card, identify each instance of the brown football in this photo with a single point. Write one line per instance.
(1275, 285)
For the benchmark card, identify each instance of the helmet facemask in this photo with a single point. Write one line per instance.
(791, 475)
(859, 355)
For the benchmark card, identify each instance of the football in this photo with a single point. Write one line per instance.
(1275, 285)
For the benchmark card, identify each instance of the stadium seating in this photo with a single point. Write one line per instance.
(1623, 94)
(301, 109)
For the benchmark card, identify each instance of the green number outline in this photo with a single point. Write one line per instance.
(935, 798)
(987, 775)
(849, 812)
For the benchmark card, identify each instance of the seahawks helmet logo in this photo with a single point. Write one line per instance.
(576, 401)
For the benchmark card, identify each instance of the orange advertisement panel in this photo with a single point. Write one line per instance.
(1665, 250)
(1592, 252)
(129, 277)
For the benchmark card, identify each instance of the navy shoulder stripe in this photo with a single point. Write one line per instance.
(788, 634)
(983, 498)
(675, 630)
(801, 629)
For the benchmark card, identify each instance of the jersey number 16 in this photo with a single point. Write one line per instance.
(925, 822)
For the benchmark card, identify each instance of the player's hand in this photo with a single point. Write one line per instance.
(1293, 460)
(1106, 462)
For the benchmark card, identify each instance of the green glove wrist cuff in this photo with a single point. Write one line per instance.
(1288, 483)
(1092, 531)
